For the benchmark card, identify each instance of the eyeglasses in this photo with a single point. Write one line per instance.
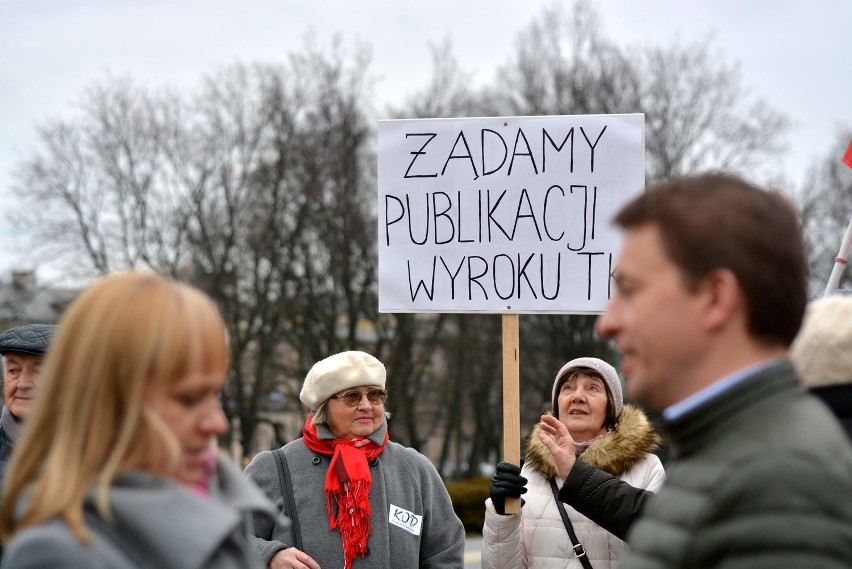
(353, 398)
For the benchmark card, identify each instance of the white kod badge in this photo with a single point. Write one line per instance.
(408, 521)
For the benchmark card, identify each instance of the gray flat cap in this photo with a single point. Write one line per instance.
(29, 339)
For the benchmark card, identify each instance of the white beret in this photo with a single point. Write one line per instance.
(822, 350)
(338, 372)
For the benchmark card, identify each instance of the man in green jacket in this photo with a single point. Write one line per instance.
(710, 294)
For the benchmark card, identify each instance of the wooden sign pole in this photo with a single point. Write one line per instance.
(511, 401)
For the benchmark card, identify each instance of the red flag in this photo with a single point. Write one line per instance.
(847, 158)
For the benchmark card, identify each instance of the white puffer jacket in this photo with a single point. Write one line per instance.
(536, 538)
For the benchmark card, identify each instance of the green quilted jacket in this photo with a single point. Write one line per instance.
(761, 478)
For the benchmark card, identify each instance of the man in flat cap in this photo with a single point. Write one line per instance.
(22, 349)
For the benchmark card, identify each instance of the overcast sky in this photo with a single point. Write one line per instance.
(797, 55)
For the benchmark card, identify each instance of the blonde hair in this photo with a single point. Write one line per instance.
(124, 337)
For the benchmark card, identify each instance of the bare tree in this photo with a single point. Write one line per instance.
(102, 189)
(448, 92)
(564, 65)
(285, 224)
(334, 260)
(257, 189)
(246, 214)
(825, 209)
(699, 116)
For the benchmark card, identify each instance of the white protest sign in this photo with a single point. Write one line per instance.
(503, 214)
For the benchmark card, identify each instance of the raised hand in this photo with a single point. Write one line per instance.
(555, 436)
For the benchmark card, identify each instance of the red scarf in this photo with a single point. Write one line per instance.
(347, 486)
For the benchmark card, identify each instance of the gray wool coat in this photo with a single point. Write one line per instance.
(158, 524)
(404, 483)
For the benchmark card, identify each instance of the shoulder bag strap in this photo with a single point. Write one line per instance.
(578, 547)
(289, 500)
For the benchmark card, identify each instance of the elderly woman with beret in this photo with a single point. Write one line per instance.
(588, 411)
(355, 499)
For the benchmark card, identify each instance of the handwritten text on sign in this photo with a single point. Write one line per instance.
(507, 214)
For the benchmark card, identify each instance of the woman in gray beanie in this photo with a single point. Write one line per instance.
(616, 438)
(354, 498)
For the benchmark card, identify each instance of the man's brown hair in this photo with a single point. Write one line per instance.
(720, 221)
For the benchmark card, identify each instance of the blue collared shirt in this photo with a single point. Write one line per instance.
(684, 406)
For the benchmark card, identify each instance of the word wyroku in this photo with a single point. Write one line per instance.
(507, 276)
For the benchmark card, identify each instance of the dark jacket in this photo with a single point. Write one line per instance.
(608, 501)
(761, 477)
(839, 400)
(6, 446)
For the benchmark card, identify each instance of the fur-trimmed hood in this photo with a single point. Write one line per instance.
(616, 452)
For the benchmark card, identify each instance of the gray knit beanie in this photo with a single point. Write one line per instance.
(610, 376)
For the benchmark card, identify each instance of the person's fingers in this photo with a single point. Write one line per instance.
(555, 427)
(557, 447)
(562, 451)
(509, 473)
(550, 443)
(511, 487)
(509, 482)
(292, 558)
(306, 559)
(514, 478)
(552, 424)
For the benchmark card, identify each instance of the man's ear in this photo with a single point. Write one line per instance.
(721, 299)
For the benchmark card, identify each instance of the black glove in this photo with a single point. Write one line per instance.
(507, 482)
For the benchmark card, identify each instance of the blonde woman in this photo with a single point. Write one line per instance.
(118, 469)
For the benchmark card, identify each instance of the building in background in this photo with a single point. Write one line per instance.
(24, 301)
